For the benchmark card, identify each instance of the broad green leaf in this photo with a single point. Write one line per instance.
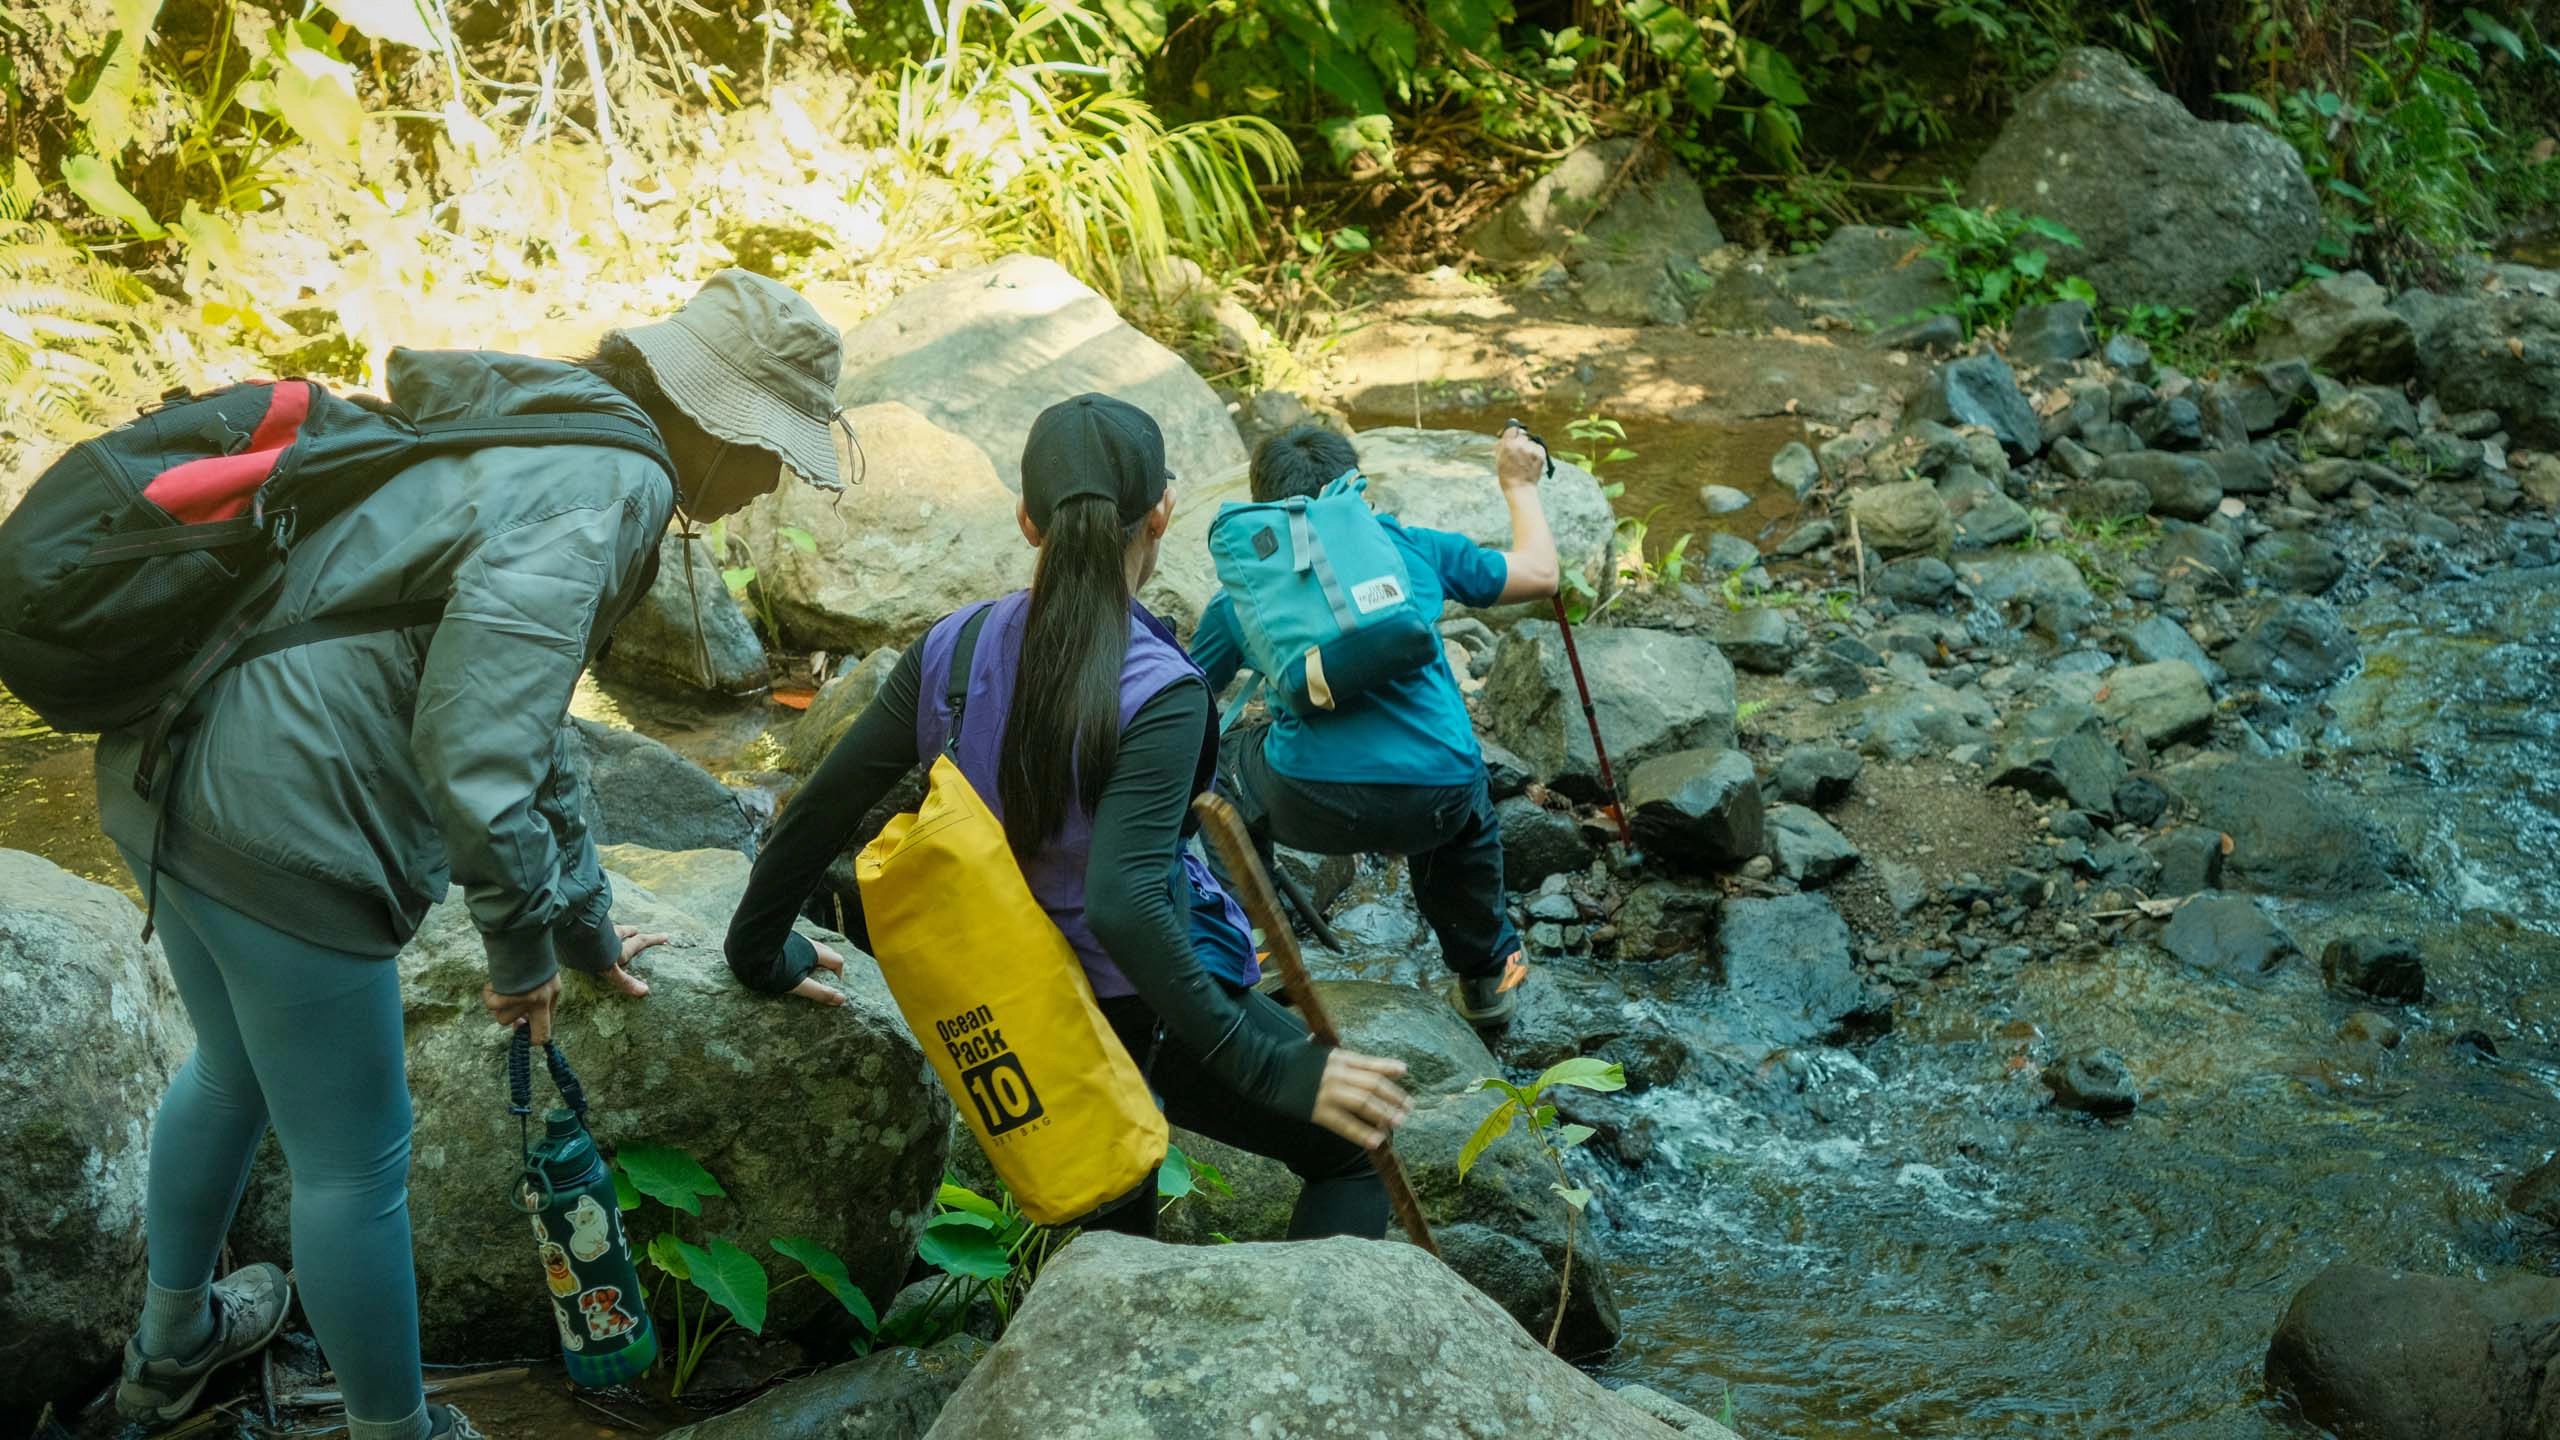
(2496, 33)
(1351, 240)
(1542, 1117)
(1173, 1177)
(1669, 31)
(403, 22)
(732, 1278)
(1495, 1126)
(827, 1268)
(316, 93)
(1584, 1072)
(956, 1196)
(801, 540)
(964, 1220)
(1574, 1195)
(94, 181)
(1209, 1177)
(974, 1254)
(626, 1196)
(668, 1176)
(2032, 264)
(2053, 230)
(1772, 74)
(1570, 1136)
(738, 578)
(667, 1253)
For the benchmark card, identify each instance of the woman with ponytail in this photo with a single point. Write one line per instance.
(1088, 730)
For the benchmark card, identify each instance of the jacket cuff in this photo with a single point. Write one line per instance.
(1301, 1075)
(584, 940)
(519, 960)
(777, 973)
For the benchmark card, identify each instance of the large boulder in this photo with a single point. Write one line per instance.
(1637, 258)
(2492, 346)
(1126, 1337)
(929, 529)
(90, 1032)
(2170, 210)
(1864, 276)
(2287, 836)
(1697, 809)
(2230, 935)
(824, 1123)
(981, 352)
(834, 708)
(2385, 1355)
(1789, 976)
(636, 791)
(1656, 692)
(892, 1394)
(2343, 325)
(688, 632)
(2158, 703)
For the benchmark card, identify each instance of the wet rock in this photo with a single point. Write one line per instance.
(1538, 842)
(2296, 561)
(2157, 704)
(1722, 499)
(2043, 584)
(1980, 390)
(2057, 753)
(2180, 486)
(2228, 934)
(90, 1033)
(1816, 775)
(2489, 347)
(1404, 1346)
(2299, 645)
(2094, 1082)
(1919, 580)
(2189, 861)
(1672, 1413)
(2052, 334)
(1918, 719)
(1754, 638)
(688, 621)
(1660, 919)
(1795, 469)
(2170, 210)
(2375, 967)
(634, 790)
(2287, 838)
(1506, 774)
(833, 710)
(1655, 692)
(1807, 849)
(2242, 472)
(2171, 420)
(1904, 518)
(2388, 1355)
(2342, 325)
(2198, 556)
(2537, 1195)
(860, 1184)
(981, 352)
(1788, 972)
(892, 1394)
(1699, 809)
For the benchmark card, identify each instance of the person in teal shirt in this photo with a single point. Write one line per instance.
(1400, 772)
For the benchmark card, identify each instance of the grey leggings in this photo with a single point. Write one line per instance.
(308, 1038)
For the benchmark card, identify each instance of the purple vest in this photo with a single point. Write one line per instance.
(1056, 873)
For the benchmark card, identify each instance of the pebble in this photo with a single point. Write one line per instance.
(1722, 499)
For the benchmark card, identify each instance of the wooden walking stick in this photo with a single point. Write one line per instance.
(1225, 830)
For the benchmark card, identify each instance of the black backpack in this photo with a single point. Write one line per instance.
(134, 570)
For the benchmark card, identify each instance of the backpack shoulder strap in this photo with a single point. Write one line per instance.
(1349, 482)
(956, 686)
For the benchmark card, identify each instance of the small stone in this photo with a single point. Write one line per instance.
(1806, 847)
(1795, 468)
(2366, 1028)
(1817, 775)
(2052, 334)
(1554, 907)
(2159, 703)
(1923, 580)
(2190, 861)
(1903, 518)
(1722, 499)
(2093, 1082)
(1807, 538)
(1754, 638)
(2180, 486)
(2376, 968)
(1728, 553)
(2296, 561)
(2129, 354)
(2075, 460)
(2300, 645)
(2229, 934)
(1759, 867)
(2141, 801)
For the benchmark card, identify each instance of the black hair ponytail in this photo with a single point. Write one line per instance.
(1064, 730)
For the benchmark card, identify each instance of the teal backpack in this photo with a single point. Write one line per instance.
(1322, 597)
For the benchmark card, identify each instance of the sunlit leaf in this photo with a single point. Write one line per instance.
(801, 540)
(974, 1254)
(828, 1269)
(404, 22)
(1495, 1126)
(1569, 1136)
(1574, 1195)
(1173, 1177)
(1584, 1072)
(316, 93)
(626, 1196)
(955, 1196)
(667, 1253)
(95, 182)
(733, 1279)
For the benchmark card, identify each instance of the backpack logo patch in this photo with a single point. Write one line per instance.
(1382, 593)
(1264, 543)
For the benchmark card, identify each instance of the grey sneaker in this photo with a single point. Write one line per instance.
(447, 1423)
(249, 1306)
(1489, 1001)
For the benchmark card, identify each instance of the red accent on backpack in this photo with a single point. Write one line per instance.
(219, 487)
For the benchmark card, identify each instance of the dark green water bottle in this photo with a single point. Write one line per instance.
(605, 1335)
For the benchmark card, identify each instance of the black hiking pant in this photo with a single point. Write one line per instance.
(1447, 833)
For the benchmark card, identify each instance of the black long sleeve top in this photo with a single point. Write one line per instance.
(1135, 894)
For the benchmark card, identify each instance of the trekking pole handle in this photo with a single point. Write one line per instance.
(1537, 440)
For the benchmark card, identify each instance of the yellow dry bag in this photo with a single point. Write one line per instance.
(996, 996)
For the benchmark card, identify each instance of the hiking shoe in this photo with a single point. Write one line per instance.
(447, 1423)
(249, 1306)
(1489, 1001)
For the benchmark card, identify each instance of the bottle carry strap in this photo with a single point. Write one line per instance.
(533, 1190)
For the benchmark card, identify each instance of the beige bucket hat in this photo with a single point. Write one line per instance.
(750, 360)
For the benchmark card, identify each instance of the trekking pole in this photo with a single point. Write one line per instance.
(1226, 831)
(1582, 687)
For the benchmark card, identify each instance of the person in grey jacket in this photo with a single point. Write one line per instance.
(327, 795)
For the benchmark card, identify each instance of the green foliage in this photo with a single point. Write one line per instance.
(72, 356)
(1530, 1105)
(1998, 260)
(724, 1274)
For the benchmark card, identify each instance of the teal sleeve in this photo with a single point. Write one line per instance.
(1217, 646)
(1469, 573)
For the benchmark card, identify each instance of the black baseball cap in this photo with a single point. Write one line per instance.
(1093, 446)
